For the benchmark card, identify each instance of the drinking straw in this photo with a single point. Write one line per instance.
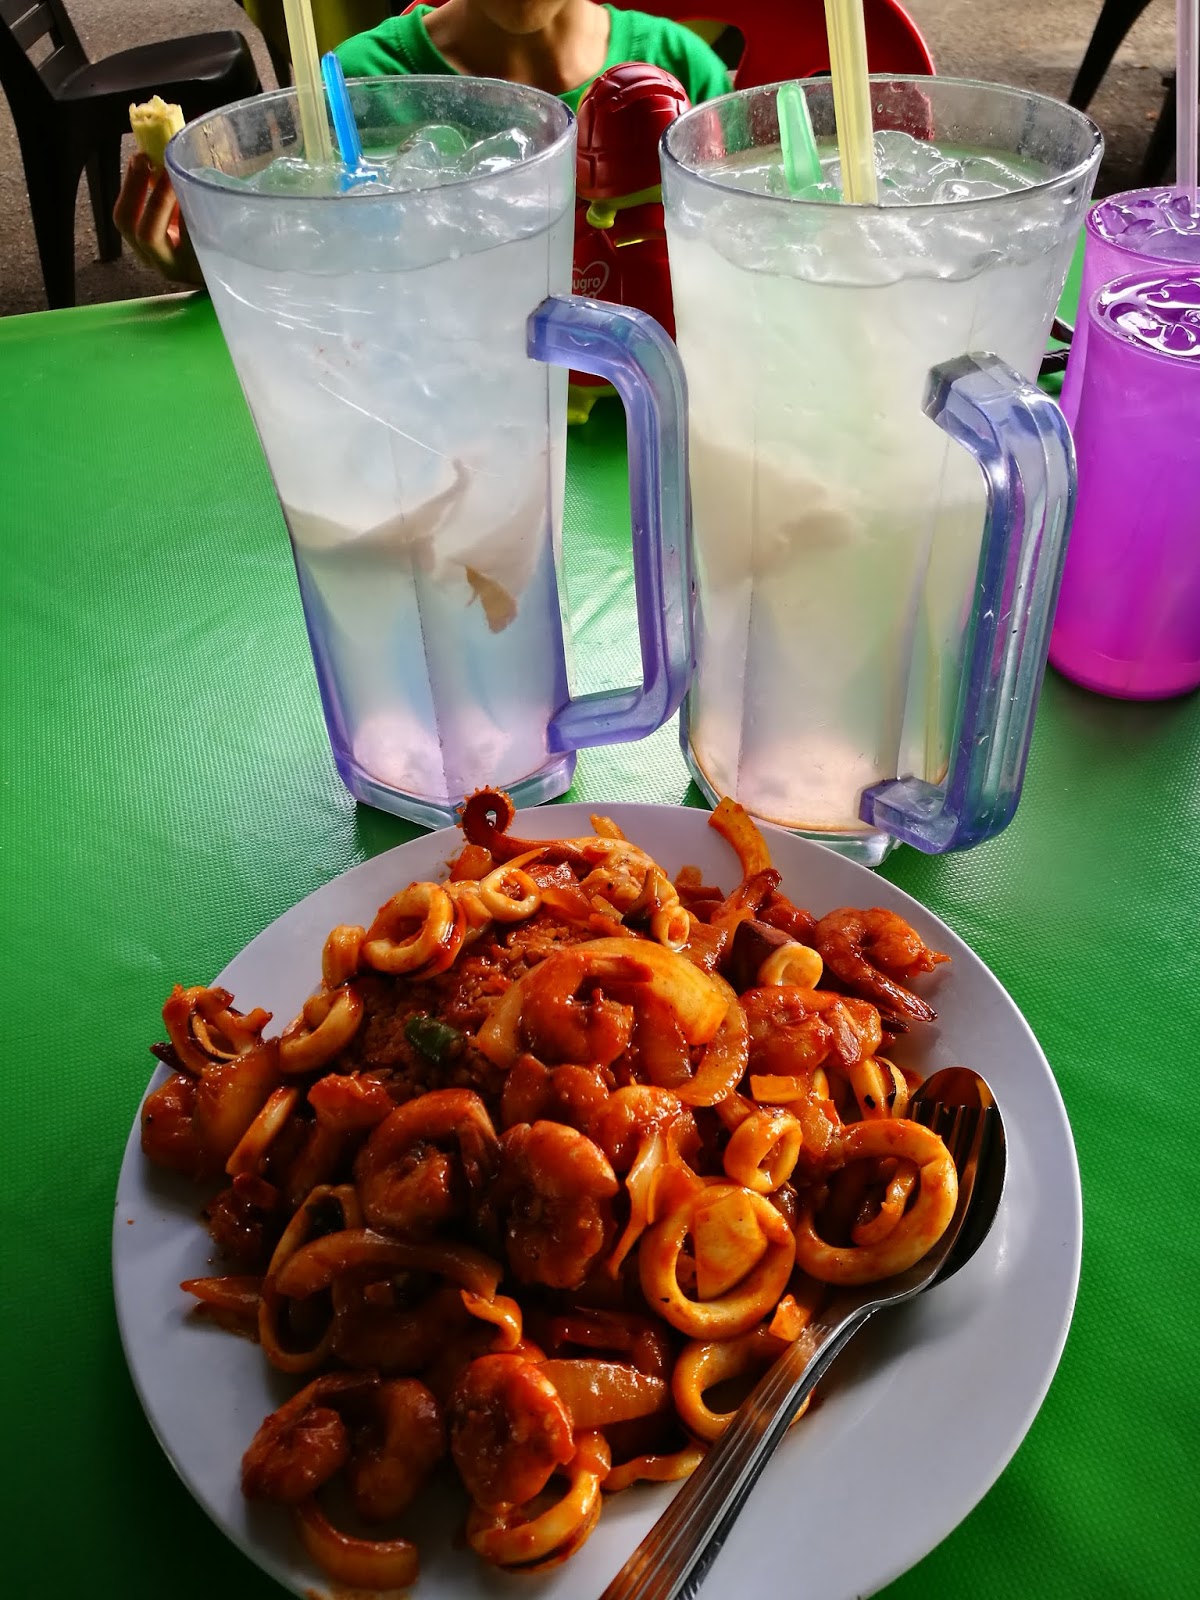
(303, 42)
(345, 128)
(852, 99)
(797, 141)
(1187, 95)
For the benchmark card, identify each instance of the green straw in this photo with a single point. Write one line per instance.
(797, 141)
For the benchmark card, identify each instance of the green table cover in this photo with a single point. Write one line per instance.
(168, 791)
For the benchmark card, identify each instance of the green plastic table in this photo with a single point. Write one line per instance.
(168, 791)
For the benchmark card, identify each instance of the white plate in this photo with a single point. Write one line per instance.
(917, 1422)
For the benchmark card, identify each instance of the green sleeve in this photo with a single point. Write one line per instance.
(684, 54)
(397, 46)
(707, 75)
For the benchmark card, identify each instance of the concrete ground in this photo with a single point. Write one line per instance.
(1025, 42)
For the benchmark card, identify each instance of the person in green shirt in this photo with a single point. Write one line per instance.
(557, 45)
(560, 46)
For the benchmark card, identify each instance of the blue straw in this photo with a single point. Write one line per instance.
(345, 129)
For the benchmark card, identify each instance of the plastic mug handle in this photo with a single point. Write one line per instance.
(1021, 441)
(636, 355)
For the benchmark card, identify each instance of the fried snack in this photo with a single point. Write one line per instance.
(154, 124)
(558, 1150)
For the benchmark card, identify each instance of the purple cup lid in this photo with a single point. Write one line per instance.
(1159, 223)
(1159, 314)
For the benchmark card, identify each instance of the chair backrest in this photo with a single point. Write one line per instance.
(39, 48)
(786, 38)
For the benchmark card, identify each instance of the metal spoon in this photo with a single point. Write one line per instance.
(675, 1556)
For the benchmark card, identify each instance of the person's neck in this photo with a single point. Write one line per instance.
(572, 50)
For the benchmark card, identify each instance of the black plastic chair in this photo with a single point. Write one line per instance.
(70, 115)
(1116, 18)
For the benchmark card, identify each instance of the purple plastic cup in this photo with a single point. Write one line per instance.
(1128, 617)
(1142, 230)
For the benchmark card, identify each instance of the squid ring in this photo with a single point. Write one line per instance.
(314, 1266)
(324, 1028)
(792, 963)
(440, 933)
(468, 903)
(724, 1062)
(873, 1087)
(358, 1563)
(551, 1536)
(509, 895)
(901, 1092)
(342, 955)
(295, 1235)
(730, 1314)
(655, 1469)
(671, 925)
(895, 1198)
(205, 1029)
(259, 1136)
(705, 1363)
(502, 1312)
(670, 922)
(916, 1232)
(763, 1150)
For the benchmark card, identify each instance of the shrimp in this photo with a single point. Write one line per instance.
(425, 1161)
(633, 1113)
(556, 1189)
(794, 1031)
(546, 1531)
(871, 952)
(404, 1441)
(302, 1444)
(782, 913)
(509, 1430)
(659, 1052)
(558, 1027)
(648, 1136)
(349, 1102)
(391, 1325)
(194, 1124)
(698, 1000)
(574, 1095)
(244, 1220)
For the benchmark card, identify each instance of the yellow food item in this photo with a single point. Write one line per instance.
(727, 1242)
(154, 123)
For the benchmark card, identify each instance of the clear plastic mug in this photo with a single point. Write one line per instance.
(1128, 618)
(403, 347)
(880, 493)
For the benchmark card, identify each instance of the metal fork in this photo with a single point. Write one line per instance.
(675, 1556)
